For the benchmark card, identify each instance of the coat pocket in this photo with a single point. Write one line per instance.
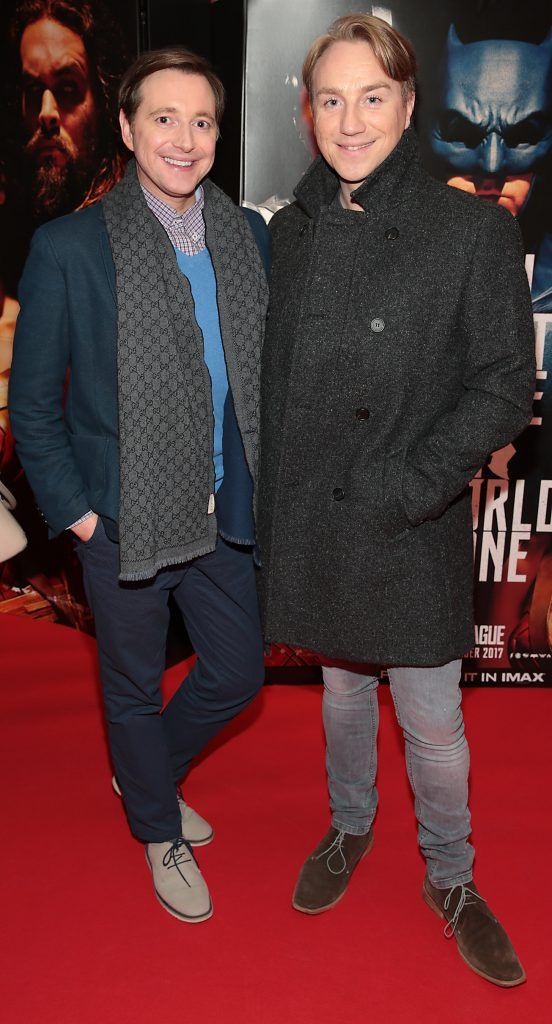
(377, 485)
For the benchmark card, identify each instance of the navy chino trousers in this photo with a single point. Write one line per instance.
(217, 597)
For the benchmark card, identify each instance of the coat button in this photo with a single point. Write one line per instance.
(362, 414)
(338, 494)
(377, 325)
(391, 234)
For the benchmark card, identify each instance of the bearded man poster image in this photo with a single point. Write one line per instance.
(64, 61)
(60, 115)
(61, 151)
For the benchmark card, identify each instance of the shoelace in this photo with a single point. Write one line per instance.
(176, 855)
(335, 847)
(464, 901)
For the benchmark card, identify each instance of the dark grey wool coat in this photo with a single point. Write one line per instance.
(399, 354)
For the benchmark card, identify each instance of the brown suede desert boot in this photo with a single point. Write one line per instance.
(481, 939)
(325, 875)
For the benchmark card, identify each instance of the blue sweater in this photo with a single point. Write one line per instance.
(199, 271)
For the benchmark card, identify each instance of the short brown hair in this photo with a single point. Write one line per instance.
(393, 50)
(169, 57)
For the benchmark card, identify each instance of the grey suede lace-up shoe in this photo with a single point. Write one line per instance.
(481, 939)
(325, 875)
(195, 830)
(178, 882)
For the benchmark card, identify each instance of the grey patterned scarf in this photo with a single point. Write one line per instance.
(165, 407)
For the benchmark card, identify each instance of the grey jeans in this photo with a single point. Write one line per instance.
(427, 703)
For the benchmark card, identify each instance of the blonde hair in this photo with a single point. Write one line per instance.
(393, 50)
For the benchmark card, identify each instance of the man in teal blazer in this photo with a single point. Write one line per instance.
(134, 406)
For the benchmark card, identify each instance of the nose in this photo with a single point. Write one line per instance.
(184, 138)
(492, 154)
(48, 117)
(351, 121)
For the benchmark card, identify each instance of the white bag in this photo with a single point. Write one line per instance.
(12, 538)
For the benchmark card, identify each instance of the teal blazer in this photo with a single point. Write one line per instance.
(66, 426)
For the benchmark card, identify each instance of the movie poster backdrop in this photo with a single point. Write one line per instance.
(484, 119)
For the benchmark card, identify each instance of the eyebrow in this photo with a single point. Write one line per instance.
(174, 110)
(326, 89)
(162, 110)
(67, 69)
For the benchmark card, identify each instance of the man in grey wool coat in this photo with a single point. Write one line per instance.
(399, 354)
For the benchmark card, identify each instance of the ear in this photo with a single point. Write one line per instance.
(126, 131)
(410, 107)
(452, 39)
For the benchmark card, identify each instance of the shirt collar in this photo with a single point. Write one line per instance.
(185, 230)
(159, 206)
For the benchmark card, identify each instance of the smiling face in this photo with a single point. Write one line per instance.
(359, 113)
(173, 135)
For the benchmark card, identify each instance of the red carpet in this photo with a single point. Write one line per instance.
(85, 942)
